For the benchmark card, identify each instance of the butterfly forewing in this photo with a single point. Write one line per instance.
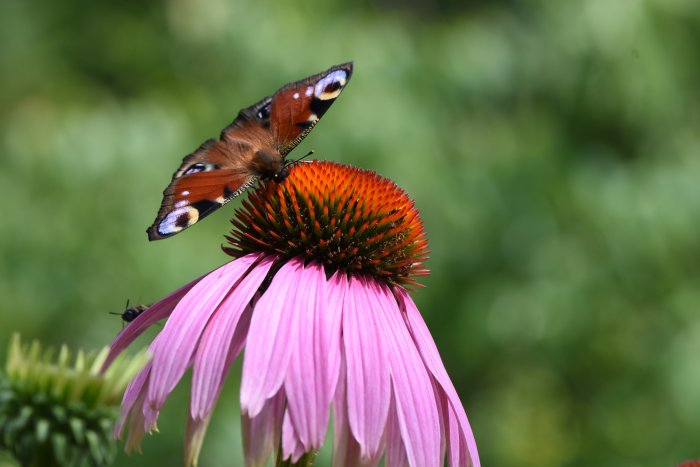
(253, 146)
(297, 107)
(257, 114)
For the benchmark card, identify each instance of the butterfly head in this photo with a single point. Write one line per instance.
(282, 174)
(287, 165)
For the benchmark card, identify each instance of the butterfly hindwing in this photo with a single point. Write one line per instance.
(200, 187)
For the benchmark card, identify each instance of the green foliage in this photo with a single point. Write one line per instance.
(551, 147)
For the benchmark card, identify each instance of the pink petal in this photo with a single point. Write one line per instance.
(173, 350)
(292, 448)
(136, 426)
(342, 438)
(442, 404)
(368, 388)
(270, 337)
(194, 438)
(261, 435)
(211, 362)
(133, 391)
(346, 450)
(431, 358)
(459, 455)
(395, 452)
(315, 361)
(150, 414)
(239, 337)
(416, 407)
(337, 288)
(153, 313)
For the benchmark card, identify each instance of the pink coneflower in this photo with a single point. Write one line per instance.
(317, 297)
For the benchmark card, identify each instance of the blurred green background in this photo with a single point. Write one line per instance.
(553, 148)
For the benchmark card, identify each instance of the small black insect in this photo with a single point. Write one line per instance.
(130, 313)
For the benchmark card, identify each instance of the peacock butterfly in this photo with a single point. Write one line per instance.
(253, 147)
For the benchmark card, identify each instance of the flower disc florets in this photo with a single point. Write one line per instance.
(348, 218)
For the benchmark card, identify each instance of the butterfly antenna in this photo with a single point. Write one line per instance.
(127, 304)
(113, 313)
(296, 161)
(306, 155)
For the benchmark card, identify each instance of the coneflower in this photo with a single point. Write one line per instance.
(317, 295)
(58, 409)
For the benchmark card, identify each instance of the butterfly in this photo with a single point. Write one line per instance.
(253, 147)
(130, 313)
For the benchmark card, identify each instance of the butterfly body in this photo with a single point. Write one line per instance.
(253, 147)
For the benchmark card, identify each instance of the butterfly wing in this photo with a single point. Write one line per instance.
(253, 145)
(297, 107)
(214, 174)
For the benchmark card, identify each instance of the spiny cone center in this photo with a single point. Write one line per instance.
(347, 218)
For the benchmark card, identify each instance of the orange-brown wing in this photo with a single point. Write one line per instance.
(207, 179)
(215, 173)
(297, 107)
(220, 170)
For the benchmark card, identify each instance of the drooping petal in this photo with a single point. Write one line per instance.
(137, 426)
(442, 404)
(367, 381)
(346, 450)
(150, 414)
(395, 451)
(262, 434)
(332, 343)
(239, 336)
(314, 364)
(431, 358)
(194, 438)
(303, 374)
(173, 349)
(341, 430)
(292, 447)
(210, 362)
(416, 407)
(153, 313)
(271, 333)
(457, 443)
(133, 391)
